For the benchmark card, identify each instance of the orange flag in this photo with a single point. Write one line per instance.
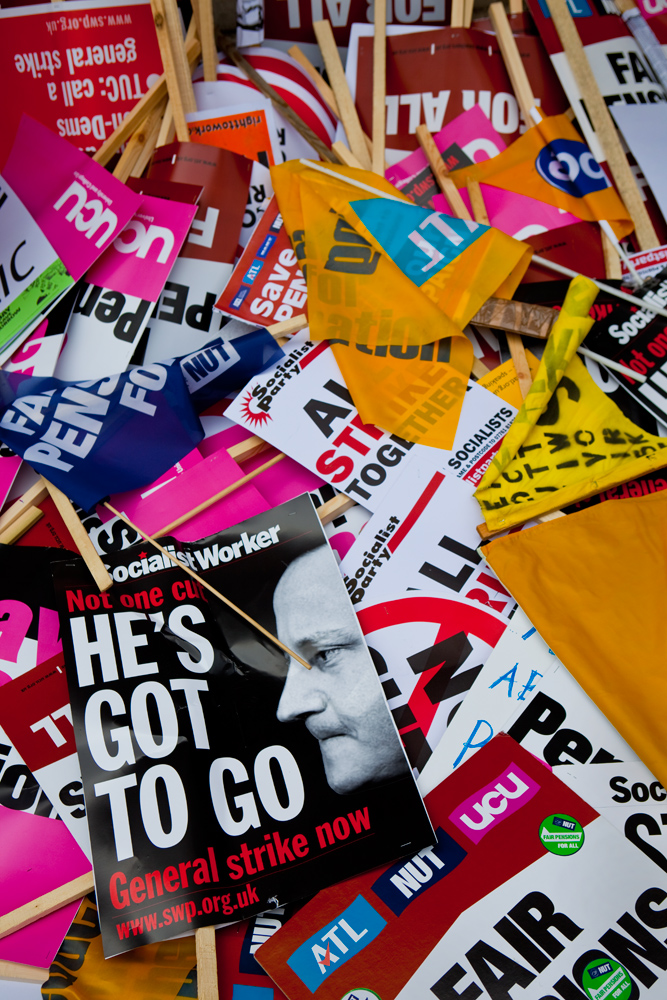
(593, 584)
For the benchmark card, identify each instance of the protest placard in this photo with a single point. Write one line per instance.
(359, 459)
(427, 651)
(267, 285)
(374, 934)
(79, 70)
(229, 708)
(184, 319)
(409, 544)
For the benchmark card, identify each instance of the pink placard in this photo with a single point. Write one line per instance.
(39, 942)
(80, 207)
(138, 261)
(38, 855)
(191, 488)
(514, 214)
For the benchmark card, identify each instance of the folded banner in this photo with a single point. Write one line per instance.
(569, 440)
(95, 438)
(385, 279)
(550, 162)
(602, 618)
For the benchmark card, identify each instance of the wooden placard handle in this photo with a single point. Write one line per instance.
(379, 85)
(336, 73)
(207, 964)
(80, 536)
(601, 120)
(48, 903)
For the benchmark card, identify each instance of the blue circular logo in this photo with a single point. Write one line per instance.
(571, 167)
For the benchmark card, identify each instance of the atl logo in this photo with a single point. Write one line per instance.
(500, 798)
(571, 167)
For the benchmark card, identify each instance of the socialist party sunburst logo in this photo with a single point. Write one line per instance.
(251, 410)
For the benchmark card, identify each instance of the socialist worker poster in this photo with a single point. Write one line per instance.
(220, 779)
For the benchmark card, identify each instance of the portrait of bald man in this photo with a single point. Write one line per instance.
(340, 699)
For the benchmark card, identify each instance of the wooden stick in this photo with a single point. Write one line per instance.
(479, 369)
(149, 146)
(513, 62)
(458, 14)
(346, 155)
(516, 6)
(379, 85)
(207, 964)
(325, 90)
(517, 317)
(225, 600)
(138, 113)
(203, 16)
(612, 262)
(468, 8)
(247, 449)
(333, 508)
(20, 525)
(43, 905)
(485, 534)
(281, 105)
(518, 354)
(348, 112)
(477, 202)
(176, 68)
(445, 183)
(35, 495)
(140, 141)
(19, 973)
(603, 125)
(167, 131)
(287, 326)
(80, 536)
(205, 504)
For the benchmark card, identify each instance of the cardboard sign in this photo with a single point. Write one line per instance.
(517, 665)
(183, 319)
(31, 274)
(246, 129)
(267, 285)
(298, 27)
(239, 835)
(588, 738)
(378, 930)
(618, 64)
(428, 651)
(596, 951)
(359, 459)
(115, 305)
(407, 546)
(36, 714)
(79, 206)
(79, 70)
(637, 338)
(419, 91)
(236, 946)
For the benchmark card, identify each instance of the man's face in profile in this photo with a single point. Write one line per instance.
(339, 699)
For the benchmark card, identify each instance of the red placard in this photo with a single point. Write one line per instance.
(78, 71)
(266, 285)
(433, 76)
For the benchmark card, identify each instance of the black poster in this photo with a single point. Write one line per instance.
(223, 778)
(637, 338)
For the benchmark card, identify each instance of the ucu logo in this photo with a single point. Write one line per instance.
(502, 797)
(96, 215)
(142, 239)
(571, 167)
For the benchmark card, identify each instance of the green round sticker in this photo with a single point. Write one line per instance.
(561, 834)
(605, 978)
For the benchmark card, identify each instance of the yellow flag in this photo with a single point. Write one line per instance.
(568, 440)
(550, 162)
(593, 584)
(386, 279)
